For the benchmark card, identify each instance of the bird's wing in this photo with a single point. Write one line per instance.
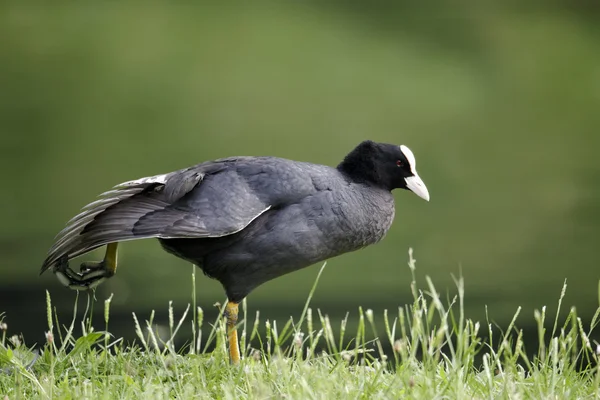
(205, 201)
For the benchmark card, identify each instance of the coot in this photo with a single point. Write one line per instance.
(243, 220)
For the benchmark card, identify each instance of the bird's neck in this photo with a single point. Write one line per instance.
(359, 168)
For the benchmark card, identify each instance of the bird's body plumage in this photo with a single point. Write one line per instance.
(315, 213)
(243, 220)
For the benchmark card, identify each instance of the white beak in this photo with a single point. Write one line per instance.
(416, 185)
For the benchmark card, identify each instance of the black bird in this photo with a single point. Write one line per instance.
(243, 220)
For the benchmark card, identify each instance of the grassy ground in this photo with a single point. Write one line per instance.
(437, 354)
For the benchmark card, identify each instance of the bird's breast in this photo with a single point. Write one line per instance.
(365, 218)
(330, 223)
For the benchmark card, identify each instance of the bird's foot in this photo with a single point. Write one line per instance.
(92, 273)
(87, 279)
(88, 267)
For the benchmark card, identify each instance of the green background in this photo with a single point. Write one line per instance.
(500, 106)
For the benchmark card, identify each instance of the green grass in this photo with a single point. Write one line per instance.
(437, 353)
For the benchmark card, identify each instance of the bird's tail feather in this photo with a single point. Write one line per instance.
(111, 218)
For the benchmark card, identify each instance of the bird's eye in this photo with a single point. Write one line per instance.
(399, 163)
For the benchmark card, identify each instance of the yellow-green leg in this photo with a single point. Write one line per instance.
(231, 313)
(108, 265)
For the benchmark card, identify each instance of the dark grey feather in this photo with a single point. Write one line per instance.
(162, 206)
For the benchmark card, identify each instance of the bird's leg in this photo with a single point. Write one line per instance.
(231, 313)
(105, 268)
(92, 273)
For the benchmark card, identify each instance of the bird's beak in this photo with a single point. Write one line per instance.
(416, 185)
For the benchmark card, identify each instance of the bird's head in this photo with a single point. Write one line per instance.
(385, 165)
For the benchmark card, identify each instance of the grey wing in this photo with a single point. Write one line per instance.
(199, 202)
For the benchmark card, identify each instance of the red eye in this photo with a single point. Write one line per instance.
(399, 163)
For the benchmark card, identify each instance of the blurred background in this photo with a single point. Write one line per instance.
(500, 106)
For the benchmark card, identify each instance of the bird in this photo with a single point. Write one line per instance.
(243, 220)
